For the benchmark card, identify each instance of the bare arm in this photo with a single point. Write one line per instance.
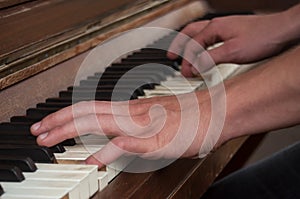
(264, 99)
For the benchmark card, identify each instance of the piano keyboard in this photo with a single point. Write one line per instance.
(27, 170)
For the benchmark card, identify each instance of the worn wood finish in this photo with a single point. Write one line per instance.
(49, 80)
(185, 178)
(254, 5)
(36, 62)
(10, 3)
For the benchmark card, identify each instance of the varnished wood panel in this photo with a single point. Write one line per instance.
(185, 178)
(253, 5)
(35, 62)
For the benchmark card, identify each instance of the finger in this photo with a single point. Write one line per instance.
(208, 59)
(190, 54)
(63, 116)
(226, 53)
(80, 109)
(91, 124)
(186, 68)
(178, 44)
(120, 146)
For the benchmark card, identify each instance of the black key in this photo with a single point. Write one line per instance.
(36, 153)
(137, 91)
(137, 82)
(68, 142)
(156, 75)
(10, 174)
(7, 138)
(40, 112)
(24, 163)
(15, 129)
(23, 120)
(74, 100)
(147, 59)
(1, 190)
(154, 68)
(150, 78)
(53, 105)
(102, 93)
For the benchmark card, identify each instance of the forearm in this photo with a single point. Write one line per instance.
(291, 25)
(265, 98)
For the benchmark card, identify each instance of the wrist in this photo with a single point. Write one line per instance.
(291, 24)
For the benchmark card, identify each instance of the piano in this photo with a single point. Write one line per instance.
(43, 44)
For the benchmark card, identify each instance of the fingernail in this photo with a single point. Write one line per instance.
(36, 126)
(43, 136)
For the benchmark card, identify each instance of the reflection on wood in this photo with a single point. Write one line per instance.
(73, 40)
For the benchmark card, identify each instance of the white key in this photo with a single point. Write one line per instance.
(81, 178)
(91, 170)
(24, 193)
(57, 188)
(102, 179)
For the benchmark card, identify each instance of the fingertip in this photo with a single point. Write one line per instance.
(35, 127)
(186, 69)
(94, 161)
(171, 55)
(41, 139)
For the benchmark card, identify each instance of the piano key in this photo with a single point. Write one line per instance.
(53, 105)
(57, 189)
(21, 129)
(75, 100)
(90, 170)
(41, 193)
(1, 190)
(134, 62)
(20, 140)
(102, 179)
(91, 88)
(53, 177)
(39, 112)
(23, 119)
(157, 75)
(137, 82)
(66, 175)
(10, 173)
(150, 78)
(167, 71)
(22, 162)
(97, 93)
(36, 153)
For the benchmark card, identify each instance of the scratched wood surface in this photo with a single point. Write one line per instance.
(23, 62)
(185, 178)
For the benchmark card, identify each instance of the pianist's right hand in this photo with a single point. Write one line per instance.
(245, 39)
(151, 135)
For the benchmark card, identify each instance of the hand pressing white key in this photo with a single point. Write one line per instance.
(165, 127)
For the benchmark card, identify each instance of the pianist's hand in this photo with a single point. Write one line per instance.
(245, 39)
(150, 135)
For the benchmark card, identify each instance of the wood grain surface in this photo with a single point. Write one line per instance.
(38, 56)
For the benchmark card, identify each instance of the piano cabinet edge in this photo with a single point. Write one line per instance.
(185, 178)
(40, 61)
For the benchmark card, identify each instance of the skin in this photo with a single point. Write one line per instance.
(263, 99)
(245, 39)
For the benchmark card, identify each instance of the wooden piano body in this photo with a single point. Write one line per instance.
(42, 46)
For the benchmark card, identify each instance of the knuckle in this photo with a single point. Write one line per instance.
(232, 51)
(120, 143)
